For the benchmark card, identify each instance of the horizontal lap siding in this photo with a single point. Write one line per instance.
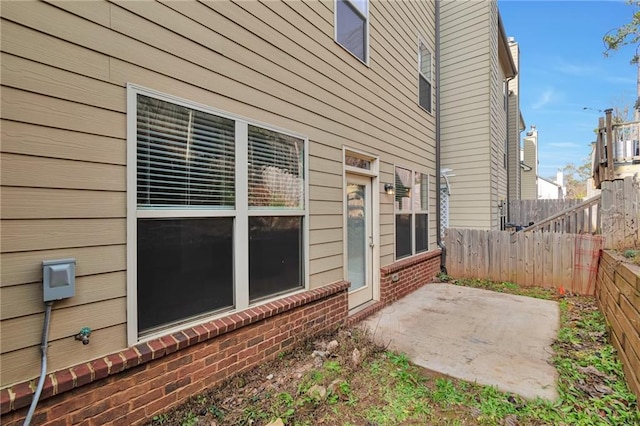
(498, 123)
(65, 66)
(465, 85)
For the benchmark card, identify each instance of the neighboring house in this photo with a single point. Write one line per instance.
(516, 127)
(529, 166)
(476, 68)
(218, 171)
(551, 189)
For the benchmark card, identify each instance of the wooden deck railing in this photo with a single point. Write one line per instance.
(617, 151)
(581, 219)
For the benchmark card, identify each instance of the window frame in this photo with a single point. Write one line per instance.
(240, 213)
(422, 42)
(412, 211)
(362, 15)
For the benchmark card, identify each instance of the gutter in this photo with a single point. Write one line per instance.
(443, 256)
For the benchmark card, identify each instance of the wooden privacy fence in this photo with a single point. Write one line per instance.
(542, 259)
(521, 212)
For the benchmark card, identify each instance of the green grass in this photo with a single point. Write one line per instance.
(506, 287)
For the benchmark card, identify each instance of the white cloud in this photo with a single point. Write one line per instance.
(574, 68)
(620, 80)
(545, 98)
(564, 145)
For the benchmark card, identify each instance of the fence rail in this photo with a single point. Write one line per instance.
(522, 212)
(543, 259)
(583, 218)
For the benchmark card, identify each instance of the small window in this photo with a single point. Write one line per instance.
(425, 67)
(411, 212)
(360, 163)
(352, 26)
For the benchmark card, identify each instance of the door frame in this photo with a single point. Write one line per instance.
(373, 174)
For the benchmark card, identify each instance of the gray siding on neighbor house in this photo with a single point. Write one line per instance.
(65, 66)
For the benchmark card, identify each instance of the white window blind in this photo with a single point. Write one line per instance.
(276, 178)
(186, 157)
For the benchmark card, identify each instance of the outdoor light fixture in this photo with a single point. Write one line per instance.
(388, 188)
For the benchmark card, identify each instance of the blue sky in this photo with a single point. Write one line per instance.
(563, 70)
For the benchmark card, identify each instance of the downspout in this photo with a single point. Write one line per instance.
(506, 83)
(443, 256)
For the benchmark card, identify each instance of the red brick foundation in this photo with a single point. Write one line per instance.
(131, 386)
(401, 278)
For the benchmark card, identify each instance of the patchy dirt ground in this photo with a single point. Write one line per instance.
(337, 379)
(345, 379)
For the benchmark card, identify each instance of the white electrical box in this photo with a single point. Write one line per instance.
(59, 279)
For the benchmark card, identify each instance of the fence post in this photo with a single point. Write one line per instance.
(610, 151)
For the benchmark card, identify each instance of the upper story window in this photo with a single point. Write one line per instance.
(352, 26)
(425, 75)
(411, 212)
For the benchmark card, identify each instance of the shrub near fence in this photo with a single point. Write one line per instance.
(544, 259)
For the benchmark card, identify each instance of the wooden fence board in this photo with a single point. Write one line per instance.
(529, 259)
(568, 247)
(538, 258)
(547, 253)
(513, 259)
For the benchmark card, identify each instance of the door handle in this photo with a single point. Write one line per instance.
(371, 241)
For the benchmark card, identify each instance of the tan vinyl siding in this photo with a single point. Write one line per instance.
(465, 108)
(498, 122)
(65, 66)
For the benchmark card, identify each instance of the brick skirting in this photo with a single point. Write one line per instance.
(131, 386)
(407, 275)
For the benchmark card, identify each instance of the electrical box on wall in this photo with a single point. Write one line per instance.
(59, 279)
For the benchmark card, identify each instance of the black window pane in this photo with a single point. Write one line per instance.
(425, 94)
(422, 240)
(403, 235)
(351, 29)
(185, 268)
(275, 255)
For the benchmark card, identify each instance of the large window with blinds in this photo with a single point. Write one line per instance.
(411, 212)
(217, 212)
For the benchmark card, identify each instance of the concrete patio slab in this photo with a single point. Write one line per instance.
(475, 335)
